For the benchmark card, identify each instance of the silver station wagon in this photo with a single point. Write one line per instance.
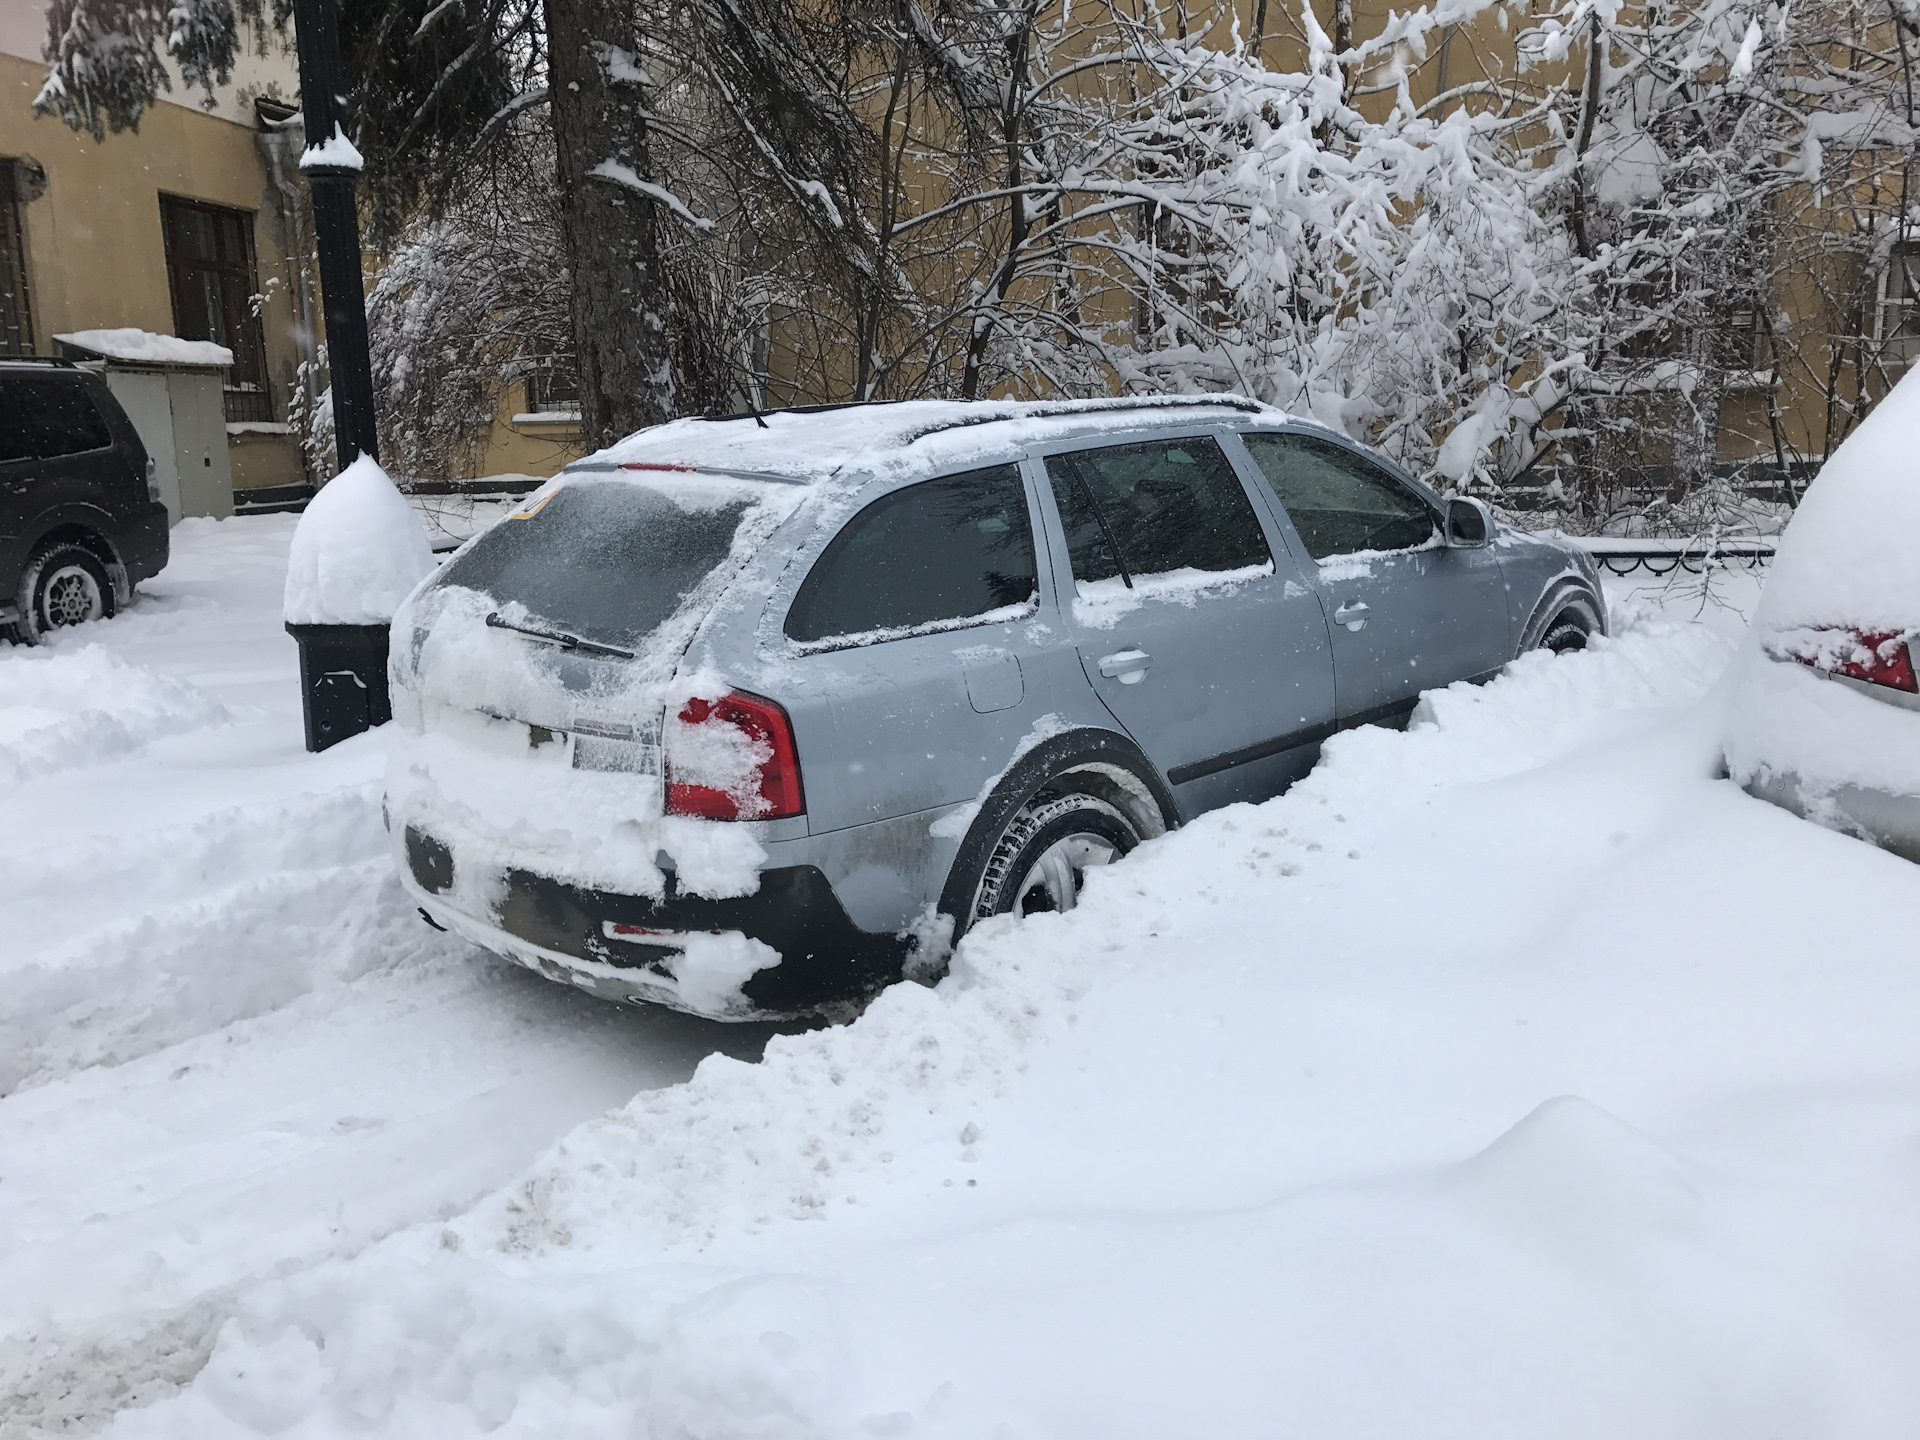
(752, 716)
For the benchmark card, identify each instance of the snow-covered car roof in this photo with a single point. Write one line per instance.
(900, 438)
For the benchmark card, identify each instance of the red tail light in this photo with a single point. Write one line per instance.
(1877, 657)
(745, 768)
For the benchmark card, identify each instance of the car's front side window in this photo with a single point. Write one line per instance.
(1340, 502)
(1148, 509)
(930, 556)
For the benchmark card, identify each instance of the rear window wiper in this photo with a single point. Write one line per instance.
(558, 637)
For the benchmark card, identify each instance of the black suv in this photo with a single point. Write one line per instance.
(80, 514)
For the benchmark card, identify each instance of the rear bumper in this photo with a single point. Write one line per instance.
(564, 931)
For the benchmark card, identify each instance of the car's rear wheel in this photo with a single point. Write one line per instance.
(1042, 858)
(64, 584)
(1569, 630)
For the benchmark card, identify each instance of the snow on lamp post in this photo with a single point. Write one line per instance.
(332, 168)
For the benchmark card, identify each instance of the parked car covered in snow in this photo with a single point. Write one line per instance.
(81, 521)
(741, 715)
(1825, 709)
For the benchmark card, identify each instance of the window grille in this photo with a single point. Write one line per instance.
(553, 386)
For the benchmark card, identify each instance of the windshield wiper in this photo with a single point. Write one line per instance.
(558, 637)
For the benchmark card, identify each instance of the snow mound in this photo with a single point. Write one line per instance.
(137, 346)
(357, 552)
(1577, 1178)
(1851, 553)
(308, 900)
(63, 709)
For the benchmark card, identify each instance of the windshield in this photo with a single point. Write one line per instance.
(606, 560)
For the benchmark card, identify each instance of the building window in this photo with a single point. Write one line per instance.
(553, 386)
(1897, 319)
(16, 319)
(211, 274)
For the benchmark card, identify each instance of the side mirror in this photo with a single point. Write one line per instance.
(1470, 524)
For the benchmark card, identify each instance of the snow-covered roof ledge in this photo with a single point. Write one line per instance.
(142, 347)
(336, 152)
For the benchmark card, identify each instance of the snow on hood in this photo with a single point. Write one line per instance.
(137, 346)
(357, 551)
(1851, 554)
(903, 438)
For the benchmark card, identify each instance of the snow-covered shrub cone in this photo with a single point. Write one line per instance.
(357, 551)
(713, 1260)
(1849, 560)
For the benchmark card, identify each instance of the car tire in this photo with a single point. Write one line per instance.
(1569, 630)
(1041, 858)
(63, 584)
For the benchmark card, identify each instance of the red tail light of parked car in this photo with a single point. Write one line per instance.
(774, 792)
(1877, 657)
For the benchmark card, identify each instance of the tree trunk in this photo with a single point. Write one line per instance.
(621, 343)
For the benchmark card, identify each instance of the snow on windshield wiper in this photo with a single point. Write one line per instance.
(557, 637)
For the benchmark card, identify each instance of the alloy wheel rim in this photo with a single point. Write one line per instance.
(73, 597)
(1058, 872)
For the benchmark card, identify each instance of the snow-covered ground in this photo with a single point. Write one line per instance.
(227, 1047)
(1512, 1076)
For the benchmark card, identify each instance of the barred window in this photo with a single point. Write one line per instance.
(213, 279)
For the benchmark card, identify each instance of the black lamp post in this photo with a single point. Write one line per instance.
(336, 228)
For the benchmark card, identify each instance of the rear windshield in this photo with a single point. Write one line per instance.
(607, 560)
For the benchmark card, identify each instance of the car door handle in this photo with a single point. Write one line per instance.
(1353, 616)
(1129, 667)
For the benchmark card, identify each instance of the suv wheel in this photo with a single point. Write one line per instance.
(65, 584)
(1569, 630)
(1042, 857)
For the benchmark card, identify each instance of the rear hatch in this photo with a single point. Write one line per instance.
(587, 595)
(534, 669)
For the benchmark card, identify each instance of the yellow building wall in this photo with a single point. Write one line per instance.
(519, 447)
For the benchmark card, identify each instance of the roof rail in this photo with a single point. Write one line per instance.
(1032, 409)
(1040, 409)
(57, 361)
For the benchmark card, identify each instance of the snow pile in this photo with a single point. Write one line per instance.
(336, 152)
(1851, 553)
(143, 346)
(306, 883)
(65, 708)
(1287, 1103)
(357, 552)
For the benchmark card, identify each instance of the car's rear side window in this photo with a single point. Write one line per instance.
(1340, 502)
(43, 416)
(1147, 509)
(938, 553)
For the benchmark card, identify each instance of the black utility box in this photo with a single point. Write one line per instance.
(343, 680)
